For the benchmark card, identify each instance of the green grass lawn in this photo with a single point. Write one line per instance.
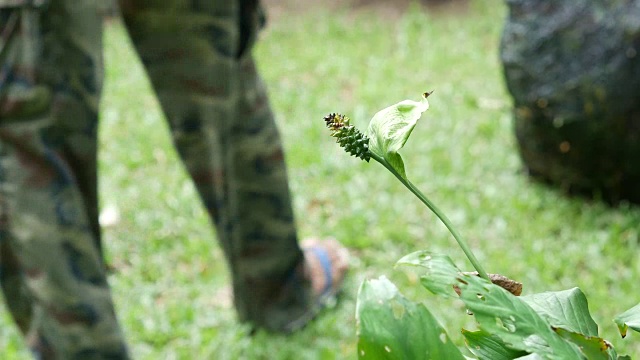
(170, 281)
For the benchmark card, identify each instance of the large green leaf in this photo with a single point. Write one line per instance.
(497, 311)
(489, 347)
(628, 319)
(392, 327)
(567, 309)
(512, 320)
(390, 128)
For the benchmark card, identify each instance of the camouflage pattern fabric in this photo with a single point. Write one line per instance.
(198, 56)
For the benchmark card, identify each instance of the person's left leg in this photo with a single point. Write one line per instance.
(198, 57)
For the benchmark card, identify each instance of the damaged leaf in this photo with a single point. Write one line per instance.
(440, 274)
(504, 282)
(628, 319)
(513, 320)
(496, 310)
(392, 327)
(593, 347)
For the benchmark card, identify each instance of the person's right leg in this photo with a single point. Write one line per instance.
(51, 269)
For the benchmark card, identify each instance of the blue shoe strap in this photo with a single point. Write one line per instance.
(322, 256)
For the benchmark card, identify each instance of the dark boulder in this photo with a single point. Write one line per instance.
(573, 69)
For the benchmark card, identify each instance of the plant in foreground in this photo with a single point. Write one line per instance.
(549, 325)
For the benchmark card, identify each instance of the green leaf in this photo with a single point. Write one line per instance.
(390, 128)
(441, 273)
(489, 347)
(628, 319)
(593, 347)
(392, 327)
(566, 309)
(511, 319)
(497, 311)
(396, 162)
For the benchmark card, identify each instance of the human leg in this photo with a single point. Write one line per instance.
(51, 269)
(198, 56)
(224, 132)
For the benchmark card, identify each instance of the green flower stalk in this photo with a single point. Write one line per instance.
(351, 139)
(387, 133)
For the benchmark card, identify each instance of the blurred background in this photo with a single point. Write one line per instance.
(355, 57)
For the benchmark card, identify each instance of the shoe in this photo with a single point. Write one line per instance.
(326, 265)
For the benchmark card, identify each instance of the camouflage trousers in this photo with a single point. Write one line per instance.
(198, 56)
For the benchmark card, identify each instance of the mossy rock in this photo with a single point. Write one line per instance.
(573, 69)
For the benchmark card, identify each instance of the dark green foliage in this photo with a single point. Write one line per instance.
(550, 325)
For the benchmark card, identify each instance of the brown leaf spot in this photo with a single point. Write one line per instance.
(504, 282)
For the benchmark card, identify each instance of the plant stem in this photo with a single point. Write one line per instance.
(445, 220)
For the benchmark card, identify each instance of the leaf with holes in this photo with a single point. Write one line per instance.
(497, 311)
(512, 320)
(392, 327)
(440, 274)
